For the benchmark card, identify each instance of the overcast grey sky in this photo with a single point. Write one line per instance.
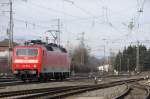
(98, 19)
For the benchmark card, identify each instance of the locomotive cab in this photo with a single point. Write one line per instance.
(26, 61)
(40, 61)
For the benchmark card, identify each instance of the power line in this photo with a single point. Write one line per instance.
(139, 11)
(83, 10)
(54, 10)
(55, 33)
(80, 18)
(28, 23)
(77, 17)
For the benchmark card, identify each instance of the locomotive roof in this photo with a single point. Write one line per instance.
(53, 47)
(49, 47)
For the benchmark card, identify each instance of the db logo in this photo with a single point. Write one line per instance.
(26, 66)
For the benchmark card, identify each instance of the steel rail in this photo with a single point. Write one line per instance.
(7, 79)
(124, 93)
(32, 91)
(147, 88)
(129, 88)
(144, 87)
(148, 94)
(18, 82)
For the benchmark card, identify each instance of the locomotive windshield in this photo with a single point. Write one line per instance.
(27, 52)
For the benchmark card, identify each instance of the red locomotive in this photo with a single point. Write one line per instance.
(40, 61)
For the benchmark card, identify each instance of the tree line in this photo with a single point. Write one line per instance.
(82, 61)
(126, 60)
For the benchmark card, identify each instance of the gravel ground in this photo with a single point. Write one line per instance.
(136, 93)
(145, 82)
(107, 93)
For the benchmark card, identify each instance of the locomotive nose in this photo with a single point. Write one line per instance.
(16, 71)
(25, 66)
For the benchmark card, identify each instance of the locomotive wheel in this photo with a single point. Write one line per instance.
(41, 78)
(64, 75)
(25, 80)
(57, 76)
(61, 76)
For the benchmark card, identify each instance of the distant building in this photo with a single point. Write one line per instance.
(4, 67)
(4, 57)
(4, 47)
(104, 67)
(4, 51)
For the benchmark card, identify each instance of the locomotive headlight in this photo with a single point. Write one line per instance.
(33, 72)
(15, 72)
(17, 65)
(35, 66)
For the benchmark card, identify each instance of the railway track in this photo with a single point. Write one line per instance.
(8, 79)
(7, 83)
(59, 92)
(132, 93)
(10, 82)
(14, 82)
(18, 82)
